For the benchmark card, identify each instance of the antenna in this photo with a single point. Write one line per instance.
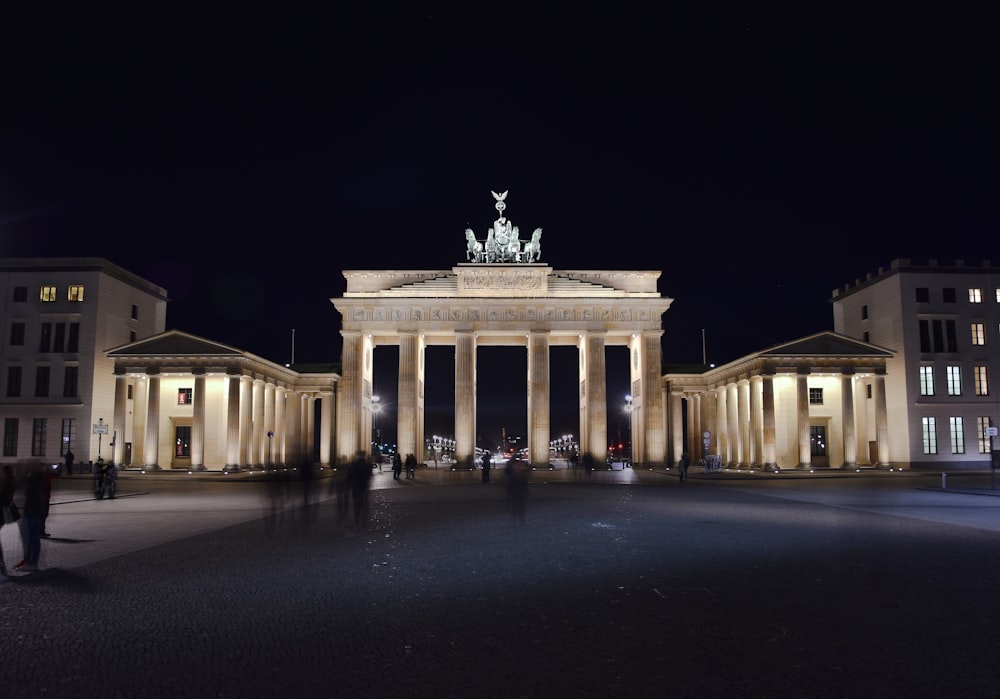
(293, 346)
(704, 360)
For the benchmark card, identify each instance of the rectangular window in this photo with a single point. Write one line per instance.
(73, 345)
(865, 337)
(952, 331)
(135, 312)
(925, 336)
(927, 381)
(815, 396)
(75, 293)
(47, 293)
(978, 334)
(10, 436)
(39, 430)
(982, 385)
(957, 427)
(864, 312)
(930, 435)
(182, 448)
(21, 294)
(129, 396)
(45, 339)
(975, 295)
(68, 435)
(131, 336)
(13, 381)
(41, 382)
(949, 295)
(59, 339)
(16, 334)
(923, 294)
(984, 440)
(71, 375)
(954, 380)
(998, 295)
(183, 396)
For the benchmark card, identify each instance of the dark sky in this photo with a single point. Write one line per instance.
(242, 159)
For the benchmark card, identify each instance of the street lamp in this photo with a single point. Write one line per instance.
(376, 409)
(629, 407)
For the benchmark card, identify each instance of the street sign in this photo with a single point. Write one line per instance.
(992, 431)
(100, 429)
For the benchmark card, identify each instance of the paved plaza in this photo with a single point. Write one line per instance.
(624, 584)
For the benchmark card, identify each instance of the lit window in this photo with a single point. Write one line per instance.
(75, 292)
(930, 435)
(927, 381)
(47, 293)
(816, 396)
(978, 334)
(982, 423)
(998, 295)
(954, 380)
(982, 386)
(975, 295)
(183, 396)
(957, 427)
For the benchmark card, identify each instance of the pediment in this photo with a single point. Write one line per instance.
(175, 343)
(826, 344)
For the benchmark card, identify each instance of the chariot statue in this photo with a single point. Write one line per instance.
(502, 242)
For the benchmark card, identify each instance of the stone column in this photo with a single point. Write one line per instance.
(269, 390)
(847, 418)
(733, 424)
(140, 411)
(881, 420)
(349, 398)
(597, 399)
(676, 426)
(293, 426)
(743, 422)
(280, 428)
(712, 421)
(767, 416)
(538, 398)
(326, 427)
(722, 429)
(152, 450)
(246, 420)
(120, 418)
(802, 417)
(233, 421)
(198, 421)
(465, 399)
(407, 434)
(653, 428)
(258, 439)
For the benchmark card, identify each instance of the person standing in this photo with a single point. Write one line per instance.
(8, 510)
(69, 459)
(397, 466)
(359, 476)
(411, 466)
(33, 520)
(487, 465)
(682, 467)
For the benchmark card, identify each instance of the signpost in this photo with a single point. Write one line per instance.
(991, 432)
(100, 429)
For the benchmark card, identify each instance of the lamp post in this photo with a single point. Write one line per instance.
(376, 437)
(628, 416)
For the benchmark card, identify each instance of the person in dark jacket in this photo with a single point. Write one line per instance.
(32, 520)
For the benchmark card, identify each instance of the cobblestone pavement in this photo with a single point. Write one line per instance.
(625, 584)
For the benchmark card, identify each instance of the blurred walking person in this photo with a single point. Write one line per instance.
(359, 476)
(8, 511)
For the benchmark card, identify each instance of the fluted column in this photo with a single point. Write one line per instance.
(676, 426)
(140, 411)
(538, 398)
(246, 419)
(653, 427)
(152, 450)
(198, 421)
(349, 398)
(596, 398)
(269, 390)
(233, 421)
(743, 420)
(465, 399)
(326, 427)
(258, 439)
(293, 426)
(767, 417)
(722, 428)
(120, 418)
(755, 449)
(407, 433)
(733, 424)
(711, 421)
(881, 420)
(802, 417)
(847, 418)
(280, 426)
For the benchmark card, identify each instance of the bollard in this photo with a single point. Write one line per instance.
(944, 480)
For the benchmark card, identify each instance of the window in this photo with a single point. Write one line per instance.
(998, 295)
(984, 440)
(975, 295)
(41, 382)
(978, 334)
(59, 341)
(47, 293)
(923, 294)
(135, 312)
(68, 435)
(131, 336)
(21, 294)
(948, 295)
(815, 396)
(183, 396)
(183, 442)
(16, 334)
(75, 293)
(129, 396)
(954, 380)
(865, 337)
(70, 376)
(982, 385)
(927, 381)
(73, 345)
(864, 312)
(938, 336)
(38, 432)
(869, 391)
(930, 435)
(13, 381)
(957, 427)
(10, 436)
(45, 340)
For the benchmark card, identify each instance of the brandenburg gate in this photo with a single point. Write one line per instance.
(502, 295)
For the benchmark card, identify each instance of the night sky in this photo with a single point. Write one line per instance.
(242, 159)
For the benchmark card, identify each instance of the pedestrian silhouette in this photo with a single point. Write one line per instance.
(359, 476)
(397, 466)
(682, 467)
(411, 466)
(69, 459)
(487, 465)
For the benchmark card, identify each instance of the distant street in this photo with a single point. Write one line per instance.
(626, 584)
